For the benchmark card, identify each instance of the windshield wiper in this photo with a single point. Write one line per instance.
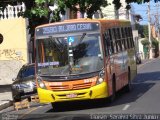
(55, 40)
(71, 62)
(82, 37)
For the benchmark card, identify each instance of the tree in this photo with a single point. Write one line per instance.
(142, 30)
(85, 6)
(38, 12)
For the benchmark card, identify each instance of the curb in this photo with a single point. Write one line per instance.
(5, 105)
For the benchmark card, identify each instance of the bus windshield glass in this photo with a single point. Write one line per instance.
(69, 55)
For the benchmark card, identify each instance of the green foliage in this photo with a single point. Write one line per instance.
(145, 30)
(88, 6)
(142, 30)
(39, 2)
(117, 4)
(155, 43)
(145, 42)
(38, 12)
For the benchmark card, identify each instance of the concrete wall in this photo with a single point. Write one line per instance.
(109, 12)
(13, 49)
(141, 47)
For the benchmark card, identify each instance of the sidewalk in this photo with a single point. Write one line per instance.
(5, 96)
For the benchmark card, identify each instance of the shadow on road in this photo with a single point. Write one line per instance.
(144, 77)
(142, 83)
(79, 105)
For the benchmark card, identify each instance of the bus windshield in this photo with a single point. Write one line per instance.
(69, 55)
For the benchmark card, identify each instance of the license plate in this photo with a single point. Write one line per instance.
(72, 95)
(26, 90)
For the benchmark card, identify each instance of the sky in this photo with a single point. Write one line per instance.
(142, 10)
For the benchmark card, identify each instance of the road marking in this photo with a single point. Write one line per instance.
(126, 107)
(22, 116)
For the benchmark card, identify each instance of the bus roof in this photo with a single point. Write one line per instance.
(85, 20)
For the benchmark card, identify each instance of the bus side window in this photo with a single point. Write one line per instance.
(131, 37)
(107, 43)
(115, 40)
(123, 39)
(119, 39)
(111, 41)
(127, 38)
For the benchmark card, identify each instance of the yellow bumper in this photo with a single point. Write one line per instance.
(98, 91)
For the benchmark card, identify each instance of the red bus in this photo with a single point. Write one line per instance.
(84, 59)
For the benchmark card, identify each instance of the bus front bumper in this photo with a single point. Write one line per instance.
(95, 92)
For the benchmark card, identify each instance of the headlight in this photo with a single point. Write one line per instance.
(101, 77)
(17, 87)
(40, 83)
(100, 80)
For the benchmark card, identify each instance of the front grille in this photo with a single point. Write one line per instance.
(70, 87)
(59, 88)
(81, 86)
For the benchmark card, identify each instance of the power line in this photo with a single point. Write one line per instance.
(149, 31)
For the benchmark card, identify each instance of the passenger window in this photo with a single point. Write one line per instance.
(109, 42)
(115, 40)
(127, 37)
(119, 39)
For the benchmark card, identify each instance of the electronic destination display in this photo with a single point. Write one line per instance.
(67, 28)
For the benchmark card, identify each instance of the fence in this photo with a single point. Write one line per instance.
(12, 11)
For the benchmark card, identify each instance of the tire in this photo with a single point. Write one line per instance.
(113, 96)
(54, 105)
(129, 85)
(140, 62)
(16, 98)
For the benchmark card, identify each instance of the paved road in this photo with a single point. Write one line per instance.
(144, 98)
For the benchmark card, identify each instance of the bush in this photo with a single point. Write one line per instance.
(155, 43)
(145, 42)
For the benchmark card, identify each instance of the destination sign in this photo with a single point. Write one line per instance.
(67, 28)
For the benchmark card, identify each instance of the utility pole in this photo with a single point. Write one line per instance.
(157, 21)
(149, 31)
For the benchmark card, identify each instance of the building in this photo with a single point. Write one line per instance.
(110, 12)
(14, 43)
